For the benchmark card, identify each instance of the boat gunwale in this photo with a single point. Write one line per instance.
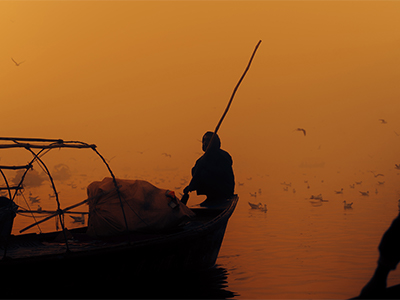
(159, 238)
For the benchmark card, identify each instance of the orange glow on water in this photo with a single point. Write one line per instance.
(139, 79)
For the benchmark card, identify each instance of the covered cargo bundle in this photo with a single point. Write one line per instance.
(146, 207)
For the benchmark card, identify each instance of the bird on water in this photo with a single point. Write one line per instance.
(347, 205)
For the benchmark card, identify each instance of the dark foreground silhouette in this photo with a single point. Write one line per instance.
(389, 257)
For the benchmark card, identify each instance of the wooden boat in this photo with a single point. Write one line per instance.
(194, 245)
(51, 256)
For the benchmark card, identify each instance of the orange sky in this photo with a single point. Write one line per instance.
(154, 76)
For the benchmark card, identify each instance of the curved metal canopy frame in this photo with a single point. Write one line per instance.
(44, 146)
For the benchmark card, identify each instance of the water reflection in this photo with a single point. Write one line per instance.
(206, 284)
(83, 284)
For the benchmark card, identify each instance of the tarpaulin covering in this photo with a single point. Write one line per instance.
(146, 207)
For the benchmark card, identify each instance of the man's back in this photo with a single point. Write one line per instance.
(213, 174)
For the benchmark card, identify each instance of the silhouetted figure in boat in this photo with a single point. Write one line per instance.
(389, 256)
(212, 175)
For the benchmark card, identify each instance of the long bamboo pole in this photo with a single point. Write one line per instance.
(185, 197)
(235, 89)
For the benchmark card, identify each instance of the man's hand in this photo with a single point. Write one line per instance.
(186, 190)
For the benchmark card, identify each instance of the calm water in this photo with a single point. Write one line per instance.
(299, 249)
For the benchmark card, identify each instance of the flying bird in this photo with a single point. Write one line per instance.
(378, 175)
(383, 121)
(79, 219)
(35, 199)
(301, 129)
(16, 64)
(109, 160)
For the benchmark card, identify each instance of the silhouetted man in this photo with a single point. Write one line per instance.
(212, 175)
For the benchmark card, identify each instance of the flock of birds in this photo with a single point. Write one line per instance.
(256, 206)
(317, 200)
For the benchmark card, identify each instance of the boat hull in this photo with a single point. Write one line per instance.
(193, 247)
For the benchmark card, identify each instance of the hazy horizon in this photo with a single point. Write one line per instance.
(139, 79)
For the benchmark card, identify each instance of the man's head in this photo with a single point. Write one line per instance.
(216, 144)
